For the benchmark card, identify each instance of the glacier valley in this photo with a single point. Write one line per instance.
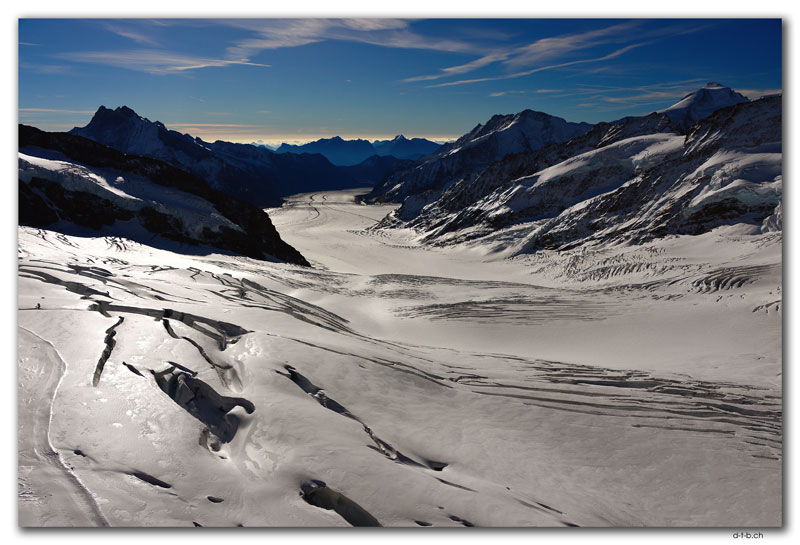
(398, 383)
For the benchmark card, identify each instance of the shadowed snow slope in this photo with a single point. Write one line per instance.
(401, 385)
(71, 184)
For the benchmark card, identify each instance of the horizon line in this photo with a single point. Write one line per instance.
(209, 134)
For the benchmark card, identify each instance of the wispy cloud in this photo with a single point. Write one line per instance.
(54, 111)
(613, 98)
(45, 68)
(542, 50)
(508, 92)
(648, 96)
(276, 35)
(130, 33)
(375, 24)
(463, 68)
(563, 48)
(548, 49)
(395, 33)
(758, 93)
(514, 75)
(151, 61)
(215, 125)
(643, 95)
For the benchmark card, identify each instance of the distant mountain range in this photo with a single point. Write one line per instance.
(712, 159)
(242, 170)
(352, 152)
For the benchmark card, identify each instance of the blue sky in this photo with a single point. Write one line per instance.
(295, 80)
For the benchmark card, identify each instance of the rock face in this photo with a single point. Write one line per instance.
(242, 170)
(502, 135)
(67, 181)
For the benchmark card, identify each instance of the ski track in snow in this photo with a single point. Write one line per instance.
(35, 444)
(399, 386)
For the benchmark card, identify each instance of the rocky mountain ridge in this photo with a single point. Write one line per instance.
(631, 180)
(242, 170)
(67, 182)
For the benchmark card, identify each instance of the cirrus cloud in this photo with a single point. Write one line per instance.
(151, 61)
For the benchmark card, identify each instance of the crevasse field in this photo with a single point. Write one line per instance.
(397, 384)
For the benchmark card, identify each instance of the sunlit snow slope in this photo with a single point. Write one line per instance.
(399, 385)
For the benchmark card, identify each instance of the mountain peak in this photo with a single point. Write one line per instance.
(121, 113)
(127, 111)
(701, 103)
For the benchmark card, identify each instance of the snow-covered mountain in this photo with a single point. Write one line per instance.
(471, 188)
(352, 152)
(634, 179)
(242, 170)
(500, 136)
(72, 184)
(702, 103)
